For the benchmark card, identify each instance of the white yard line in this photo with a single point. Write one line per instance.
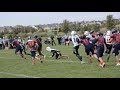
(22, 75)
(9, 58)
(47, 60)
(19, 75)
(62, 61)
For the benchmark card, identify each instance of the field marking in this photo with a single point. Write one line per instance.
(9, 58)
(21, 75)
(62, 61)
(47, 60)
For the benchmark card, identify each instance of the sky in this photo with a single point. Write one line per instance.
(35, 18)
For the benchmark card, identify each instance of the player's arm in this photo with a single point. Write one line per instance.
(111, 39)
(105, 41)
(73, 40)
(26, 45)
(36, 46)
(13, 44)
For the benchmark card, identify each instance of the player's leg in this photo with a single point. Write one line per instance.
(33, 57)
(116, 53)
(24, 49)
(39, 59)
(21, 52)
(109, 48)
(87, 50)
(56, 55)
(40, 50)
(16, 50)
(93, 54)
(78, 55)
(100, 51)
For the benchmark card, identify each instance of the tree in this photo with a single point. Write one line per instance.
(79, 27)
(96, 27)
(65, 26)
(6, 31)
(1, 35)
(110, 22)
(9, 36)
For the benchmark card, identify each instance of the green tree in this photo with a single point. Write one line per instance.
(6, 31)
(65, 26)
(1, 35)
(96, 27)
(79, 27)
(9, 36)
(110, 22)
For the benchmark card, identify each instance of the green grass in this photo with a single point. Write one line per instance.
(13, 66)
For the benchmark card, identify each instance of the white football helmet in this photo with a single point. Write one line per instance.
(108, 33)
(86, 33)
(73, 32)
(48, 49)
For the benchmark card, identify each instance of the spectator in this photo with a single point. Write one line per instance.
(53, 40)
(59, 38)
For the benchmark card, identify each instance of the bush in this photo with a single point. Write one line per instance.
(43, 35)
(1, 35)
(24, 36)
(9, 36)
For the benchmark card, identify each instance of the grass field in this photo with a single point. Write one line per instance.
(13, 66)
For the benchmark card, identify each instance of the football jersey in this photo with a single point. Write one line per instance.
(31, 45)
(16, 42)
(74, 40)
(90, 38)
(107, 38)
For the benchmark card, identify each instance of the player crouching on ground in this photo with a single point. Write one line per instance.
(56, 53)
(32, 45)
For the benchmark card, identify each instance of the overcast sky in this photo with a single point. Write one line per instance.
(35, 18)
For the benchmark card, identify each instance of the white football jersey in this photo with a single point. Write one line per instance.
(107, 38)
(74, 40)
(90, 38)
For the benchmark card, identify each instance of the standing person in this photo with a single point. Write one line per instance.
(100, 40)
(17, 45)
(59, 38)
(108, 45)
(32, 45)
(39, 42)
(115, 37)
(76, 43)
(1, 42)
(53, 40)
(11, 40)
